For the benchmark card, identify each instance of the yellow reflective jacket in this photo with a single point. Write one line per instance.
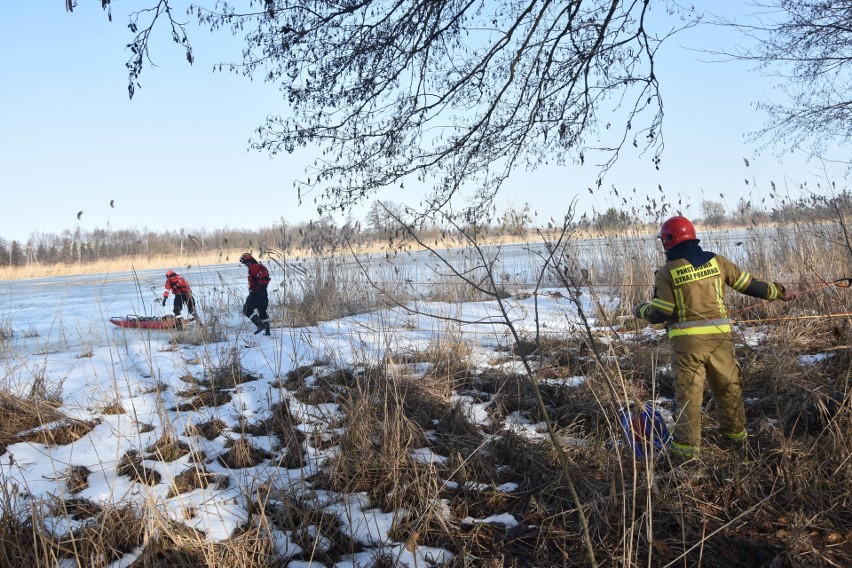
(691, 299)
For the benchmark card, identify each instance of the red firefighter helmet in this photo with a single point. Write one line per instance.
(676, 230)
(246, 258)
(171, 273)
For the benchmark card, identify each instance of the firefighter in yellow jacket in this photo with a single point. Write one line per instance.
(689, 296)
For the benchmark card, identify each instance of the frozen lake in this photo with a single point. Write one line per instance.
(67, 312)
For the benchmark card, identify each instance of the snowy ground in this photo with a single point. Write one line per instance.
(63, 342)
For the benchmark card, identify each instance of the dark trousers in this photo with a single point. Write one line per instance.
(180, 300)
(257, 300)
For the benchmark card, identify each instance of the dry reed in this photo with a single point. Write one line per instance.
(782, 499)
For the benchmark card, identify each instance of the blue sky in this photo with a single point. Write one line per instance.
(176, 156)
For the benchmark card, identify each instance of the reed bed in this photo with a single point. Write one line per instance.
(405, 441)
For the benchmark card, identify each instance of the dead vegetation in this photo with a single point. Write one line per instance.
(779, 500)
(453, 448)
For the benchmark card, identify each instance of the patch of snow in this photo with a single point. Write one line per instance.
(503, 519)
(806, 360)
(521, 425)
(574, 381)
(427, 456)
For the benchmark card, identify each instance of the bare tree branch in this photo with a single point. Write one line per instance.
(454, 95)
(807, 43)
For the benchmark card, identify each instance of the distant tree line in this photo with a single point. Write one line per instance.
(81, 247)
(383, 223)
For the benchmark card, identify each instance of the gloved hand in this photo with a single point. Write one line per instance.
(636, 309)
(786, 295)
(164, 302)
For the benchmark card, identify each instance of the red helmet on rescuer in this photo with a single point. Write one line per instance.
(171, 273)
(676, 230)
(246, 258)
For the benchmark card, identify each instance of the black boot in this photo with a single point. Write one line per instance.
(178, 322)
(257, 323)
(266, 327)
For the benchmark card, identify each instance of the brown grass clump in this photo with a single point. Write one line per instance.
(177, 554)
(316, 531)
(172, 544)
(208, 430)
(547, 533)
(77, 509)
(78, 478)
(193, 391)
(326, 388)
(280, 423)
(210, 398)
(107, 537)
(20, 544)
(296, 377)
(455, 431)
(113, 407)
(376, 451)
(450, 358)
(212, 331)
(252, 547)
(20, 415)
(377, 457)
(531, 462)
(511, 393)
(316, 395)
(229, 372)
(130, 465)
(168, 448)
(241, 454)
(422, 401)
(68, 432)
(342, 378)
(190, 479)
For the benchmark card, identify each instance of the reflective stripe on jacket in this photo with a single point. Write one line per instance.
(692, 298)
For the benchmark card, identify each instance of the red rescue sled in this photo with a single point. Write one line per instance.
(146, 322)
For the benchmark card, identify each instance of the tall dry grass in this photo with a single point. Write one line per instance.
(781, 500)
